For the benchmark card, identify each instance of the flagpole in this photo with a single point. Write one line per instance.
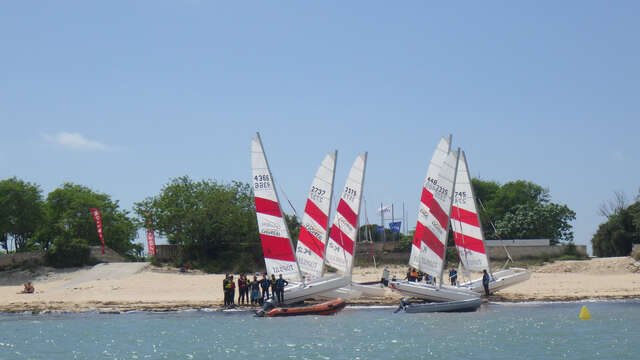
(403, 219)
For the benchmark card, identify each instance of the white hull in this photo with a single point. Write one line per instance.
(371, 290)
(431, 292)
(299, 292)
(501, 280)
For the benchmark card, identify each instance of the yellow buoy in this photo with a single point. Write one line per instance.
(584, 313)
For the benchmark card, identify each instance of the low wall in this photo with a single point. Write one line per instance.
(22, 257)
(517, 251)
(168, 252)
(524, 252)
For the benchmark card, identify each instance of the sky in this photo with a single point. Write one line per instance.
(122, 96)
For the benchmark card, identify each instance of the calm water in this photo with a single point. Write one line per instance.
(498, 331)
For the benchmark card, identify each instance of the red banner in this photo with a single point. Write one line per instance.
(151, 241)
(98, 219)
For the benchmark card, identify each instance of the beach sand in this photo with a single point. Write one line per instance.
(116, 287)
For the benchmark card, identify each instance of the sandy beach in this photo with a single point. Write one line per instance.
(116, 287)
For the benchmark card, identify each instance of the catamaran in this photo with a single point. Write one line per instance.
(469, 237)
(428, 249)
(276, 242)
(341, 244)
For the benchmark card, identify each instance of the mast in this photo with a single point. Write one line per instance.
(326, 235)
(444, 258)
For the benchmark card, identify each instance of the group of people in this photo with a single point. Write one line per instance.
(417, 276)
(250, 290)
(414, 275)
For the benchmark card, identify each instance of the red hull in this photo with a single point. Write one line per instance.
(326, 308)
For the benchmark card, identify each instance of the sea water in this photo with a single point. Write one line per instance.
(496, 331)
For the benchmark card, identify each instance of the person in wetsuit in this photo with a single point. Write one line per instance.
(264, 284)
(453, 276)
(280, 284)
(485, 281)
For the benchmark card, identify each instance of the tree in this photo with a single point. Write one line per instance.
(530, 221)
(294, 227)
(68, 217)
(215, 223)
(21, 212)
(616, 236)
(523, 210)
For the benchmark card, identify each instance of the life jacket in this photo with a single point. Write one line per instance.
(229, 285)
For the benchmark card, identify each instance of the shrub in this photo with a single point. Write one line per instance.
(69, 253)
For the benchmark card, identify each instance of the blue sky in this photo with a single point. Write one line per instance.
(121, 96)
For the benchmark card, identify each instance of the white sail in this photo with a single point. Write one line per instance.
(437, 199)
(313, 230)
(344, 230)
(465, 223)
(438, 157)
(276, 242)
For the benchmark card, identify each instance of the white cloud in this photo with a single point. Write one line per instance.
(74, 141)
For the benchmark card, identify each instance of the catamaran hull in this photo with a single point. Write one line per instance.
(431, 292)
(449, 306)
(501, 279)
(356, 290)
(301, 292)
(370, 290)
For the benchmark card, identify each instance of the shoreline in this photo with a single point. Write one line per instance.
(123, 308)
(123, 287)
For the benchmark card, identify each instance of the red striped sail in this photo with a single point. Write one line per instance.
(341, 244)
(313, 230)
(465, 222)
(276, 242)
(428, 206)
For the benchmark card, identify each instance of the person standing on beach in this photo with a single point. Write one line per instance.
(453, 276)
(226, 287)
(242, 289)
(485, 281)
(273, 285)
(280, 284)
(254, 287)
(232, 290)
(264, 284)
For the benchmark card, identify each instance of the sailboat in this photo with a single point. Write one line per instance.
(430, 238)
(469, 237)
(341, 246)
(313, 229)
(276, 242)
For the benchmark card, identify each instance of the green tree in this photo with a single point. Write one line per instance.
(68, 217)
(215, 223)
(530, 221)
(294, 227)
(21, 212)
(616, 236)
(523, 210)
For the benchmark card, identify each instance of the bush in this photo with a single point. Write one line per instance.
(69, 253)
(570, 249)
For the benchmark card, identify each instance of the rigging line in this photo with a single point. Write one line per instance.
(295, 212)
(366, 218)
(497, 234)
